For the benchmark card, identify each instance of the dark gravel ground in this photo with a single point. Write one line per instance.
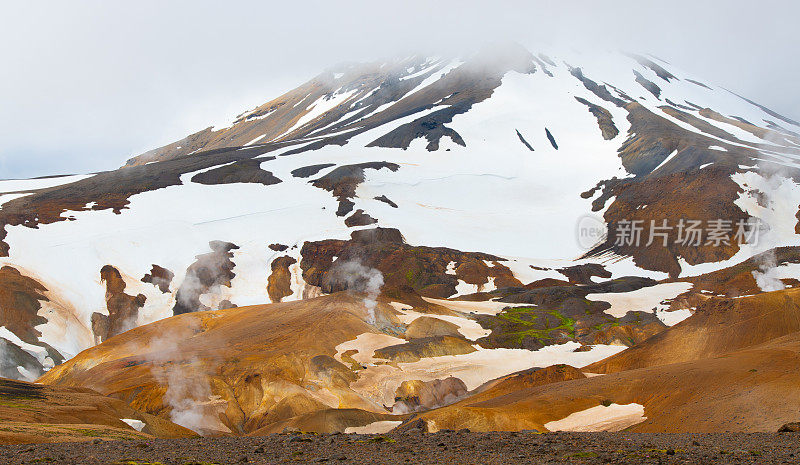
(442, 448)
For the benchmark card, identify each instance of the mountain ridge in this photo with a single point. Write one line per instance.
(442, 201)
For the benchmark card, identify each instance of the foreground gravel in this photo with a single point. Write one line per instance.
(456, 447)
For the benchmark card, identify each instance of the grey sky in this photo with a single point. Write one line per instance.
(86, 84)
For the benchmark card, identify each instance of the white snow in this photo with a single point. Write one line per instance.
(68, 255)
(425, 68)
(457, 190)
(666, 160)
(13, 185)
(783, 195)
(9, 197)
(464, 288)
(615, 417)
(321, 106)
(488, 307)
(379, 382)
(377, 427)
(256, 139)
(646, 299)
(470, 329)
(138, 425)
(674, 317)
(453, 64)
(39, 353)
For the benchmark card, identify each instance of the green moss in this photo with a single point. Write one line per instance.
(13, 404)
(410, 278)
(381, 439)
(588, 454)
(526, 317)
(89, 432)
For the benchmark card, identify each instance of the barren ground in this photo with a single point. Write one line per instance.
(412, 447)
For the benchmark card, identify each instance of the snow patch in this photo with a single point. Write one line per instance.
(138, 425)
(377, 427)
(488, 307)
(615, 417)
(646, 299)
(470, 329)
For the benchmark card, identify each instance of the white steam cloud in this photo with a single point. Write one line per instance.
(767, 274)
(187, 389)
(363, 279)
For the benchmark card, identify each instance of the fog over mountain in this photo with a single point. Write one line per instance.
(86, 85)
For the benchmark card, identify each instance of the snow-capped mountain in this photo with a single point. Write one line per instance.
(418, 181)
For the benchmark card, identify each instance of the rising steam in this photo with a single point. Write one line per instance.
(767, 274)
(360, 278)
(187, 389)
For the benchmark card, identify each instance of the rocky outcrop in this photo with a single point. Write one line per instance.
(424, 269)
(418, 395)
(673, 198)
(415, 349)
(426, 326)
(600, 90)
(12, 358)
(551, 138)
(21, 298)
(311, 170)
(159, 277)
(208, 273)
(647, 84)
(343, 181)
(22, 302)
(123, 309)
(359, 218)
(433, 128)
(604, 119)
(793, 427)
(655, 67)
(386, 200)
(583, 274)
(279, 283)
(244, 171)
(524, 142)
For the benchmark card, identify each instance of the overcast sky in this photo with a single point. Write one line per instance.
(84, 85)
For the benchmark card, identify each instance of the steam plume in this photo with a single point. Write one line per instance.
(188, 391)
(360, 278)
